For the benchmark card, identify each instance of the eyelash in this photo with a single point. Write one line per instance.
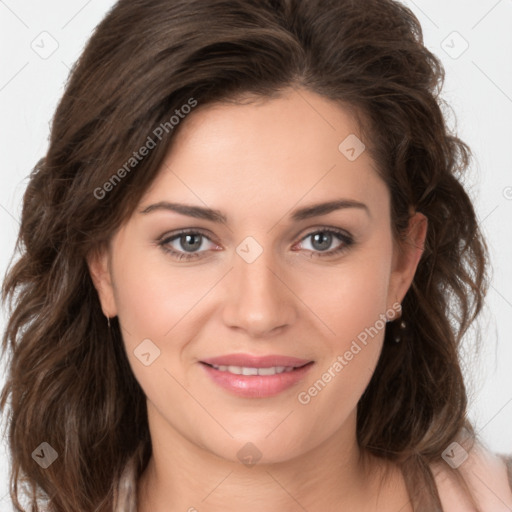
(341, 235)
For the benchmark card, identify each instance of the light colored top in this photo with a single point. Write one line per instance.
(489, 478)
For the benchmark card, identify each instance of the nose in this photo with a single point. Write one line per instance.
(259, 297)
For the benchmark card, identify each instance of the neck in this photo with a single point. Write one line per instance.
(182, 476)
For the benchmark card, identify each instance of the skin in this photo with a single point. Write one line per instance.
(257, 163)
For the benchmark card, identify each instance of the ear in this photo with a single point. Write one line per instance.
(98, 262)
(406, 256)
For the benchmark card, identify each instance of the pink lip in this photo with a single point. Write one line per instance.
(256, 386)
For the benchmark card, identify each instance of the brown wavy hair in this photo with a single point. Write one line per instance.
(69, 381)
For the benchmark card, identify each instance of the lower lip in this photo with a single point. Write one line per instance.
(256, 386)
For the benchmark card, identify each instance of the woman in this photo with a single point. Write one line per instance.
(247, 262)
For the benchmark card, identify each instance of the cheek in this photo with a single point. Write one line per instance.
(153, 301)
(352, 304)
(353, 296)
(158, 306)
(153, 296)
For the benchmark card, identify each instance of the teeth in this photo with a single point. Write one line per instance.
(243, 370)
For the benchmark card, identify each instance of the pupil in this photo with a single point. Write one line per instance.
(322, 241)
(189, 240)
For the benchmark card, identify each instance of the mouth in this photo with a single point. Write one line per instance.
(248, 370)
(254, 376)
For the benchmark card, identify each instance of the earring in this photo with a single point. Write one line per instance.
(397, 338)
(108, 321)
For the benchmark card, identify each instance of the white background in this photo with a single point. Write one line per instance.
(478, 86)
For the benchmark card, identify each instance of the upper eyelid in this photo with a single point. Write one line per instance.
(194, 231)
(336, 231)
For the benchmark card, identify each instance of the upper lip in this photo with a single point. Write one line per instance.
(250, 361)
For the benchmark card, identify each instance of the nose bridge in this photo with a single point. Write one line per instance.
(257, 299)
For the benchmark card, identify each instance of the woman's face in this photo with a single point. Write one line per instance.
(265, 272)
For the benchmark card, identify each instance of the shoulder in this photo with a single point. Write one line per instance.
(488, 477)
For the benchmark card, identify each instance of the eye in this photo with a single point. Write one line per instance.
(322, 239)
(190, 244)
(186, 245)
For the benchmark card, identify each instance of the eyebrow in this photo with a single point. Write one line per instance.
(307, 212)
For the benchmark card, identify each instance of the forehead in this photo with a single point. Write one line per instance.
(281, 124)
(278, 150)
